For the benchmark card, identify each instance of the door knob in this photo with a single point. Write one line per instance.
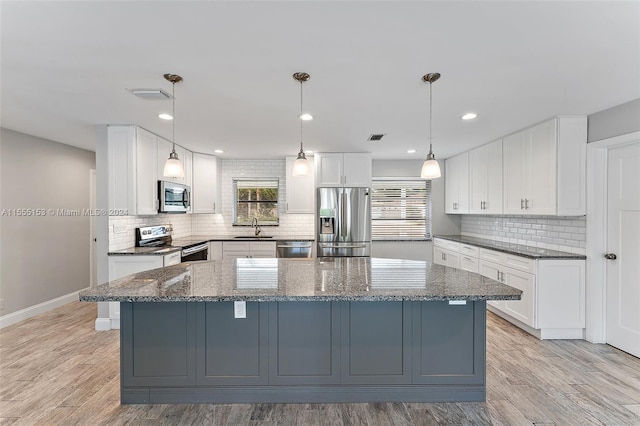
(610, 256)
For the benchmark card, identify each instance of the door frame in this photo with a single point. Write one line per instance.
(596, 247)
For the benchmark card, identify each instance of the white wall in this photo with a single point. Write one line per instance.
(616, 121)
(43, 257)
(441, 223)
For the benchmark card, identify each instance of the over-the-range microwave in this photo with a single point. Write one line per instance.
(174, 197)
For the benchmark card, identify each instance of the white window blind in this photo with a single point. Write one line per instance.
(400, 209)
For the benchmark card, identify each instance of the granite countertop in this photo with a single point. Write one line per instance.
(517, 249)
(319, 279)
(178, 243)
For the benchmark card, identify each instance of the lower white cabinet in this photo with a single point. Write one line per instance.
(121, 266)
(215, 250)
(552, 305)
(236, 249)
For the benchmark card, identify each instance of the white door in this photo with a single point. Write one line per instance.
(623, 241)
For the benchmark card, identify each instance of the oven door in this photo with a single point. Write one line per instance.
(199, 252)
(174, 197)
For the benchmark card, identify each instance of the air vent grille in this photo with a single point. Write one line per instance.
(376, 136)
(151, 94)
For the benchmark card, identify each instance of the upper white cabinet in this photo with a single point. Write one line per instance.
(133, 170)
(485, 179)
(456, 184)
(299, 190)
(343, 169)
(544, 168)
(206, 185)
(164, 148)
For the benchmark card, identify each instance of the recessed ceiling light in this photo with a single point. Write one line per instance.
(218, 151)
(411, 151)
(469, 116)
(306, 116)
(165, 116)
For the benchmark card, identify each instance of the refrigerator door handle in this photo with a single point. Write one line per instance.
(344, 245)
(343, 214)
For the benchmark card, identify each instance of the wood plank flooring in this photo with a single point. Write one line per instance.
(56, 370)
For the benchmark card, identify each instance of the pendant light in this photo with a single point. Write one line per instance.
(430, 167)
(173, 167)
(301, 165)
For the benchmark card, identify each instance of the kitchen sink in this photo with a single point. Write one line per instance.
(253, 237)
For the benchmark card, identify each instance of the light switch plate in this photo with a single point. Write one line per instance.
(240, 309)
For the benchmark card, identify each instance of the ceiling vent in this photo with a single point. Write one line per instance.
(151, 94)
(376, 136)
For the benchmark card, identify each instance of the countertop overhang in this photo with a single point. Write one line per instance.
(320, 279)
(516, 249)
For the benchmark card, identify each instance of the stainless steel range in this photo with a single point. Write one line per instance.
(160, 236)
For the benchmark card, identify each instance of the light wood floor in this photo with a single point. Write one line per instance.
(55, 369)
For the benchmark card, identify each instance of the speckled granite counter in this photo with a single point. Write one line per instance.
(517, 249)
(320, 279)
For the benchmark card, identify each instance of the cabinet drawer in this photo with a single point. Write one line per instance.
(263, 247)
(446, 244)
(237, 246)
(172, 259)
(490, 255)
(437, 242)
(467, 250)
(468, 263)
(517, 262)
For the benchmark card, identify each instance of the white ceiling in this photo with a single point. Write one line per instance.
(66, 67)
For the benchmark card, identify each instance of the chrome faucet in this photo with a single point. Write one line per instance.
(254, 222)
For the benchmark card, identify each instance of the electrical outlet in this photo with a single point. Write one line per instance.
(119, 229)
(239, 309)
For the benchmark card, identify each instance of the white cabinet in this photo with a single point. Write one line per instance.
(342, 169)
(215, 250)
(121, 266)
(485, 179)
(205, 190)
(185, 156)
(552, 305)
(300, 190)
(133, 172)
(242, 249)
(544, 168)
(456, 184)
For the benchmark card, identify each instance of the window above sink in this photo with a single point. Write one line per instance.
(255, 197)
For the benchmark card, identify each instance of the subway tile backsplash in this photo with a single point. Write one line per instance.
(550, 232)
(220, 225)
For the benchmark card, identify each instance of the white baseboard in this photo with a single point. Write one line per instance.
(542, 334)
(38, 309)
(103, 324)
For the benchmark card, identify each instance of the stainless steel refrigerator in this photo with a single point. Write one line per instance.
(343, 222)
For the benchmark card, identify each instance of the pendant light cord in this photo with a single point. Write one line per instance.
(300, 117)
(173, 112)
(430, 113)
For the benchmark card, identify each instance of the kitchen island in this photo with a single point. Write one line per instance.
(315, 330)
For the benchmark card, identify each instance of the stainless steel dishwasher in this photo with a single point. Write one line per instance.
(300, 249)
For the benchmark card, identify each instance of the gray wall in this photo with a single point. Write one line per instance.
(43, 257)
(442, 224)
(616, 121)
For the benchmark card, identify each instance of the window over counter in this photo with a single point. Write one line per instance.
(255, 197)
(400, 209)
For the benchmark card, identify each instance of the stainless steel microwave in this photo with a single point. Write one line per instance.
(174, 197)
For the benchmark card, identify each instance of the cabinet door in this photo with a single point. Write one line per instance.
(232, 351)
(357, 170)
(438, 256)
(457, 184)
(514, 148)
(204, 192)
(215, 250)
(523, 309)
(541, 169)
(491, 270)
(121, 150)
(452, 259)
(485, 179)
(300, 193)
(328, 169)
(188, 167)
(172, 259)
(146, 173)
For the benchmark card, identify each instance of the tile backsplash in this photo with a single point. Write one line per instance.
(220, 225)
(550, 232)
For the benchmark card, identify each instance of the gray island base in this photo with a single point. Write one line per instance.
(317, 330)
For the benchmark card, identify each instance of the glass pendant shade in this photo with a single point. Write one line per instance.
(173, 167)
(430, 169)
(301, 165)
